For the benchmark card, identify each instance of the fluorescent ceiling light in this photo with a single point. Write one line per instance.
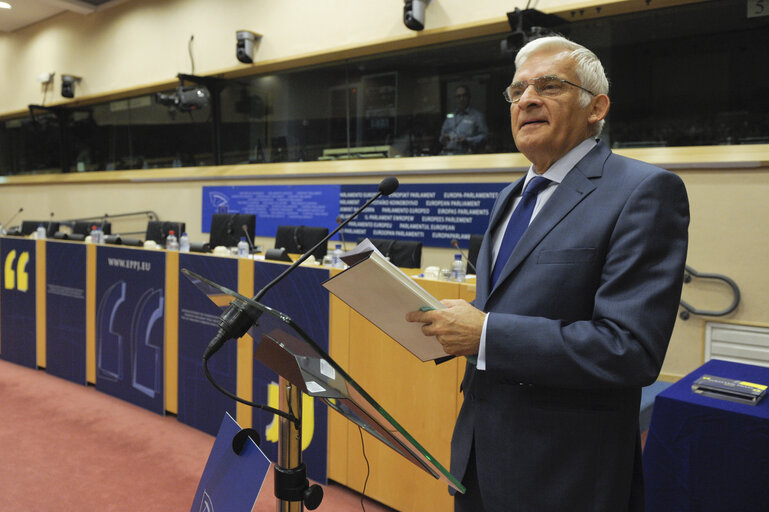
(5, 5)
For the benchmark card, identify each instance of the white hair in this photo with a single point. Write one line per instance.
(587, 66)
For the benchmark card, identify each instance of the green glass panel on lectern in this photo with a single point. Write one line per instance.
(285, 348)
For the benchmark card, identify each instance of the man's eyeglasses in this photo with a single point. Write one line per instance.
(545, 86)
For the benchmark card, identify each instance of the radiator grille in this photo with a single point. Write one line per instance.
(738, 343)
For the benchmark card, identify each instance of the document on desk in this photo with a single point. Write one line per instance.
(383, 294)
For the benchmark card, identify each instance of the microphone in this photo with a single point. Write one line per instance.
(252, 247)
(239, 317)
(297, 236)
(455, 244)
(48, 228)
(2, 228)
(341, 233)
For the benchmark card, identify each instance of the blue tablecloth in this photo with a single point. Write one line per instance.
(706, 454)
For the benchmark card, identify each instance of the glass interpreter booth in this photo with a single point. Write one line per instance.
(688, 75)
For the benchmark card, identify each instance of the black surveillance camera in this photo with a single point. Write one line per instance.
(245, 46)
(185, 99)
(414, 13)
(68, 85)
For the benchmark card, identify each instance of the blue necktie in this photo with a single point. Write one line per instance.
(519, 221)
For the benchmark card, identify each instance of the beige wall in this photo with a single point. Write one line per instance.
(145, 41)
(141, 42)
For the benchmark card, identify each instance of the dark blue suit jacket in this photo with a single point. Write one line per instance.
(579, 321)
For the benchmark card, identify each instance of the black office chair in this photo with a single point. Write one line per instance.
(300, 239)
(157, 230)
(84, 227)
(227, 228)
(402, 253)
(30, 226)
(472, 253)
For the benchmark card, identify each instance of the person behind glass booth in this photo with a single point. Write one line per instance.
(570, 323)
(464, 130)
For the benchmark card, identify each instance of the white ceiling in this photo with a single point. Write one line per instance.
(28, 12)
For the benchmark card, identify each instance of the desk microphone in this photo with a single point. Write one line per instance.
(341, 232)
(251, 246)
(238, 318)
(48, 228)
(455, 244)
(2, 226)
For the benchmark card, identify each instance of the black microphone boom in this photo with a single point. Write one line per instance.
(251, 246)
(13, 217)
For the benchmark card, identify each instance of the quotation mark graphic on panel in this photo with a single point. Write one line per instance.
(17, 279)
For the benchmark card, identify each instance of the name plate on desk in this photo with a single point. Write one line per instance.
(734, 390)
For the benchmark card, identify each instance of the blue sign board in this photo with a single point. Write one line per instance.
(65, 277)
(275, 205)
(200, 403)
(18, 304)
(130, 325)
(231, 481)
(432, 213)
(306, 302)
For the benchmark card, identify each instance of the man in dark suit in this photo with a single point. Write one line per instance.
(571, 322)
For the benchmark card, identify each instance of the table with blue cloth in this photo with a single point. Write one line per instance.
(707, 454)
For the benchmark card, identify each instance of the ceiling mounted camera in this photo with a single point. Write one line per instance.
(246, 41)
(185, 98)
(414, 13)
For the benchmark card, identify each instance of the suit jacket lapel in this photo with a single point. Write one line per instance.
(574, 188)
(483, 278)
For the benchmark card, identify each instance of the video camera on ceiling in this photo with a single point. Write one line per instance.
(527, 25)
(185, 98)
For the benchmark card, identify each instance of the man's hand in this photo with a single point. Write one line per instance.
(458, 327)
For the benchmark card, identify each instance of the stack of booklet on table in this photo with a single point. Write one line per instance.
(734, 390)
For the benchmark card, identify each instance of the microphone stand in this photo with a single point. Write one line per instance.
(4, 231)
(291, 485)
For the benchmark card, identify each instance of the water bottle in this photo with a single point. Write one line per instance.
(97, 235)
(40, 232)
(243, 248)
(336, 260)
(172, 244)
(184, 243)
(458, 269)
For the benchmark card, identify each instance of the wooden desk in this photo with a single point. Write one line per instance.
(421, 397)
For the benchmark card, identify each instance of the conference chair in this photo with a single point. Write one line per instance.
(30, 226)
(300, 239)
(157, 230)
(227, 228)
(84, 227)
(402, 253)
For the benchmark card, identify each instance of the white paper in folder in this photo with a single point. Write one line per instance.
(383, 294)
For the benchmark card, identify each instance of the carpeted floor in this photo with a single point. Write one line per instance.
(66, 447)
